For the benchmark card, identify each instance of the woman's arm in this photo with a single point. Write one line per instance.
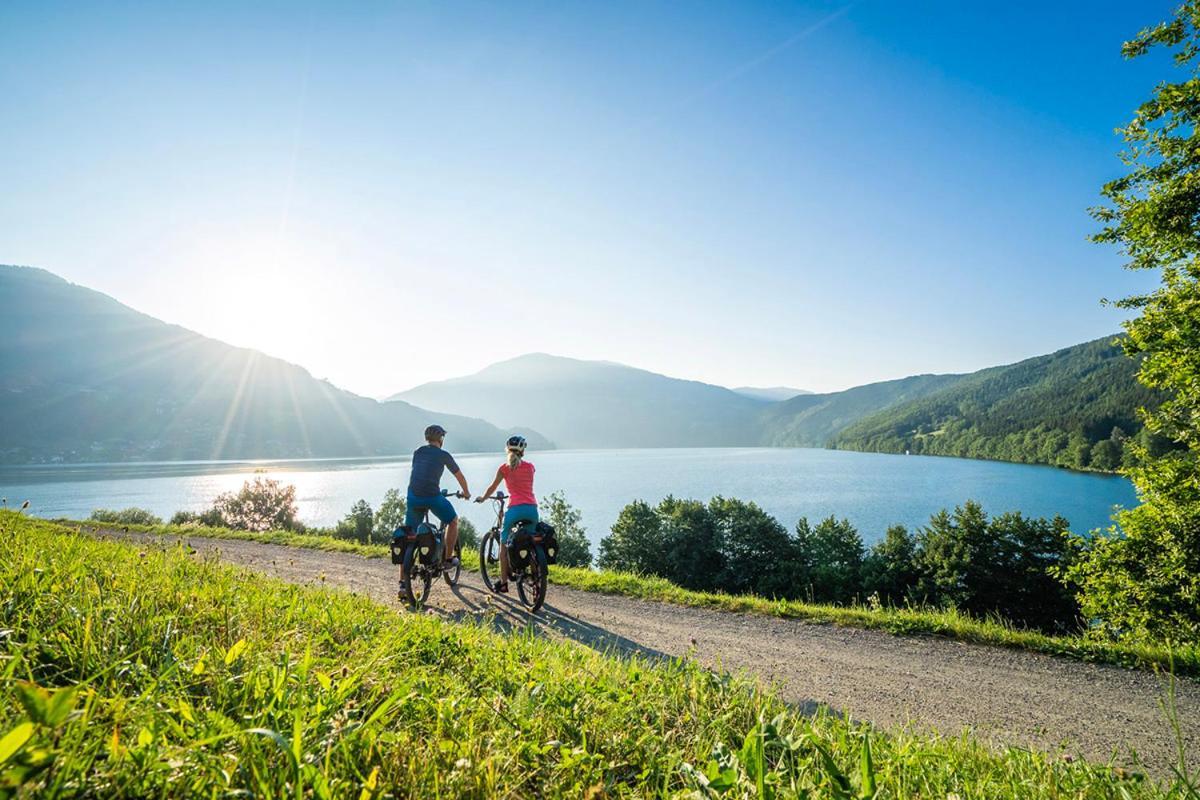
(492, 488)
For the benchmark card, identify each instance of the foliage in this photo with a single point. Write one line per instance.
(829, 559)
(265, 689)
(889, 571)
(127, 516)
(468, 534)
(1142, 580)
(261, 504)
(390, 515)
(574, 550)
(1075, 408)
(358, 525)
(1008, 565)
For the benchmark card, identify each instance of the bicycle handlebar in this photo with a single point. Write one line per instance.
(448, 493)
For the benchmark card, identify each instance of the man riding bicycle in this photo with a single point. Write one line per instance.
(424, 488)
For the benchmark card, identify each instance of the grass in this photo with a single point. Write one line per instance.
(128, 672)
(1183, 659)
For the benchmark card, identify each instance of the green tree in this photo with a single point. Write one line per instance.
(831, 555)
(468, 534)
(389, 516)
(1142, 579)
(635, 542)
(261, 504)
(691, 550)
(754, 547)
(890, 570)
(574, 550)
(359, 522)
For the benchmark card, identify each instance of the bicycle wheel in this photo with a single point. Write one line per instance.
(451, 575)
(489, 558)
(415, 574)
(531, 585)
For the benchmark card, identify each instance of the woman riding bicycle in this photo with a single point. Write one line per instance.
(517, 474)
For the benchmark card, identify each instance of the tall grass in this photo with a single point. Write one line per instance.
(1182, 658)
(152, 672)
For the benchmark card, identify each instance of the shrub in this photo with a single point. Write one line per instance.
(390, 515)
(261, 504)
(574, 550)
(832, 553)
(126, 516)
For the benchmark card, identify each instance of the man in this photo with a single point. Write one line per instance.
(424, 486)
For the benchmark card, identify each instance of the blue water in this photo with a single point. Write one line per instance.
(872, 490)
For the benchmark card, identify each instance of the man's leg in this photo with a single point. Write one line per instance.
(451, 538)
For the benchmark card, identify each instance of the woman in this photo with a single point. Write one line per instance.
(517, 474)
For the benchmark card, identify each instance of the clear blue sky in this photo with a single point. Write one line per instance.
(813, 193)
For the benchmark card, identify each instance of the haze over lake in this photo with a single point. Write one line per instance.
(871, 490)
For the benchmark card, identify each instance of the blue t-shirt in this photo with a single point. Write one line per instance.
(428, 462)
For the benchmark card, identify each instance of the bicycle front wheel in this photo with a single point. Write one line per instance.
(489, 559)
(451, 575)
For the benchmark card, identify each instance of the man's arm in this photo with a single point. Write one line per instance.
(462, 482)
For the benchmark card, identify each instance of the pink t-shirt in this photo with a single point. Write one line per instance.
(519, 483)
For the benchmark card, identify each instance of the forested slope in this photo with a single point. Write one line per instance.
(1076, 408)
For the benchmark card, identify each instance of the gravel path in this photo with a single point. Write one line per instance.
(1006, 697)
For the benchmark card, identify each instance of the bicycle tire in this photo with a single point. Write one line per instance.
(456, 571)
(489, 555)
(534, 595)
(410, 557)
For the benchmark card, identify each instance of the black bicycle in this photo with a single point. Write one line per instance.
(418, 550)
(527, 557)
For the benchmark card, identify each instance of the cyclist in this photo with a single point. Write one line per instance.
(517, 474)
(424, 487)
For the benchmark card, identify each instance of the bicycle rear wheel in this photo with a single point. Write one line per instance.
(489, 559)
(416, 578)
(531, 585)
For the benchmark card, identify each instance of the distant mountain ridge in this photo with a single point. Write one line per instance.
(85, 378)
(772, 394)
(597, 404)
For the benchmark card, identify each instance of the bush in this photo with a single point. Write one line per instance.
(832, 554)
(574, 550)
(126, 516)
(468, 534)
(390, 515)
(890, 571)
(262, 504)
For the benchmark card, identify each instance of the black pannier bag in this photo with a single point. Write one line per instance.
(428, 546)
(399, 542)
(549, 541)
(520, 548)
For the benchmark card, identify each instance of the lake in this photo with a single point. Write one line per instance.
(872, 490)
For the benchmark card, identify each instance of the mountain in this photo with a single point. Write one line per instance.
(85, 378)
(770, 393)
(812, 420)
(597, 404)
(1074, 407)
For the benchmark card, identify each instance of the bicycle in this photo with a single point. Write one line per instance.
(527, 557)
(418, 551)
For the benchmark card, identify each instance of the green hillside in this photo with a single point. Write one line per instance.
(812, 420)
(86, 378)
(1074, 408)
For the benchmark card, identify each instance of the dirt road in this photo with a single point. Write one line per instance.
(1006, 697)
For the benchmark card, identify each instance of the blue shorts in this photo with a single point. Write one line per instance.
(441, 507)
(522, 513)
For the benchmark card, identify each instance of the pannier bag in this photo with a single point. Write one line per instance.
(549, 541)
(429, 545)
(520, 548)
(399, 542)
